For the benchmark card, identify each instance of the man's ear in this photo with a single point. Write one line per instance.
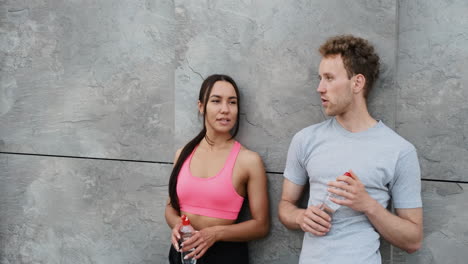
(200, 107)
(359, 83)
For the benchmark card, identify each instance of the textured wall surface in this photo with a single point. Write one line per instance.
(270, 49)
(118, 81)
(445, 231)
(60, 210)
(87, 78)
(432, 80)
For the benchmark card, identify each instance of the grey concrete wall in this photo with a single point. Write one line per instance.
(88, 78)
(269, 47)
(117, 81)
(60, 210)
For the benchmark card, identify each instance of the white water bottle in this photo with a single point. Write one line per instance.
(329, 206)
(186, 231)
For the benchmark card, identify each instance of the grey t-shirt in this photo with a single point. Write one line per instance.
(387, 165)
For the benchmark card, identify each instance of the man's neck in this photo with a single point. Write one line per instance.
(356, 120)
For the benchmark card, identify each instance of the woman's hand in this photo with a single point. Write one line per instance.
(175, 236)
(202, 240)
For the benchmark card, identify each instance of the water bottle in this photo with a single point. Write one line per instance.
(329, 206)
(186, 231)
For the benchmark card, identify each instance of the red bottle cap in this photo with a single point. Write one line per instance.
(348, 174)
(185, 220)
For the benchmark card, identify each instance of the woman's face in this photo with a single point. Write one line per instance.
(221, 108)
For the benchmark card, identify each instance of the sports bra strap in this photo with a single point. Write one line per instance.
(231, 160)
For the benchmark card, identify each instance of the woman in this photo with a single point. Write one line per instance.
(211, 177)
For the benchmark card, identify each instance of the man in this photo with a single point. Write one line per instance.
(382, 165)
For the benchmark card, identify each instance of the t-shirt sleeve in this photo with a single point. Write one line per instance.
(295, 168)
(406, 185)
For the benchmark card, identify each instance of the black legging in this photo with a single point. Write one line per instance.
(220, 252)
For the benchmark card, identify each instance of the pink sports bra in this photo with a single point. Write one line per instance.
(214, 196)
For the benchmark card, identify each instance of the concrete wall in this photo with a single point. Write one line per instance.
(96, 95)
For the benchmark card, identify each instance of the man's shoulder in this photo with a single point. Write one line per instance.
(392, 138)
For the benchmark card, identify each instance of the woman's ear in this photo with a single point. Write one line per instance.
(200, 107)
(359, 83)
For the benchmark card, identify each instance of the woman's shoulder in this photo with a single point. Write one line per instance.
(177, 154)
(248, 157)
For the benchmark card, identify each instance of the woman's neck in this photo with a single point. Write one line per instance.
(216, 141)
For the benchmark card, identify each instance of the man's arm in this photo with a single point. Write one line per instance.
(288, 211)
(311, 220)
(403, 230)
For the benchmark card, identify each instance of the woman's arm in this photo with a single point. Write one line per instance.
(174, 222)
(257, 192)
(172, 216)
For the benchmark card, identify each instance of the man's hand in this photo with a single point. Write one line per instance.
(314, 221)
(354, 192)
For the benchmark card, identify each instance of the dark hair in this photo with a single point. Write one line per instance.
(205, 92)
(358, 57)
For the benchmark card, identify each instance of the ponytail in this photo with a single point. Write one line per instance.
(186, 151)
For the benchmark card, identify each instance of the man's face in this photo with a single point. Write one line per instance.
(335, 87)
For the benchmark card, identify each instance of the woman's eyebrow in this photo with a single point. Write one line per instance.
(219, 96)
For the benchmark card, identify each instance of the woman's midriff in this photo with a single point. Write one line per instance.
(199, 221)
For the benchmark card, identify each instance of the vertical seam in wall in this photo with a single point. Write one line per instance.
(395, 75)
(395, 80)
(176, 46)
(391, 246)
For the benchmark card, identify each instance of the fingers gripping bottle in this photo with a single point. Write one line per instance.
(329, 206)
(186, 231)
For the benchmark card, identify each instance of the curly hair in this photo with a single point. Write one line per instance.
(359, 57)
